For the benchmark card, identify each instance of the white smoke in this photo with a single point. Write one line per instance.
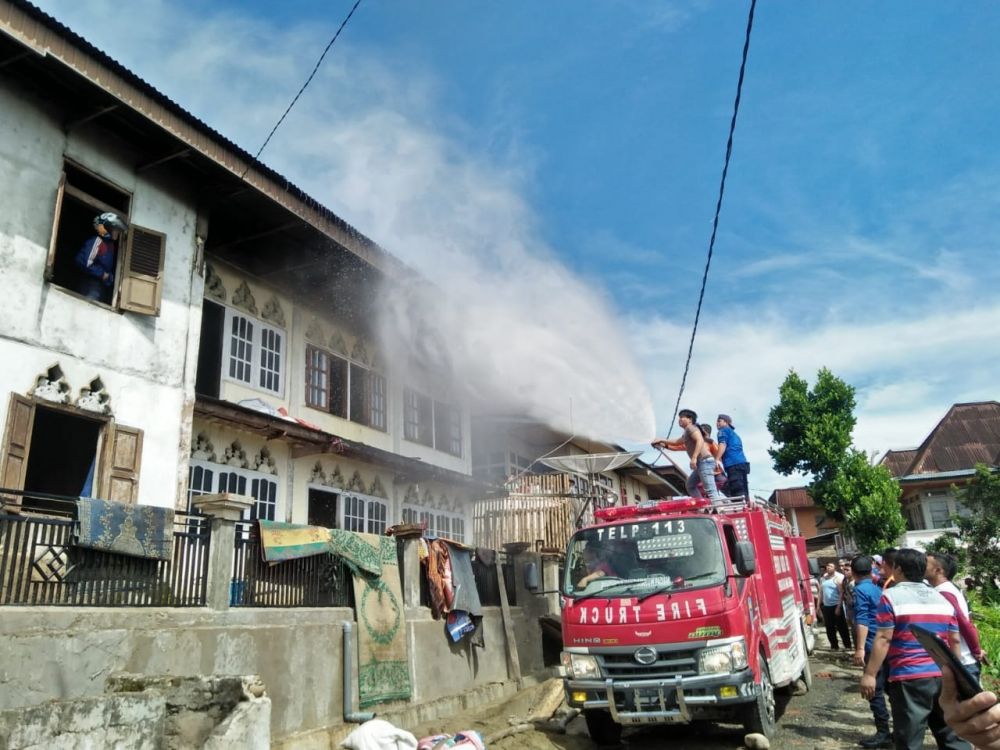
(498, 312)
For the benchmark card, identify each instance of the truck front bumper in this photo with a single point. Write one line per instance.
(664, 701)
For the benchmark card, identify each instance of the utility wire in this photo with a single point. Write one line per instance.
(718, 210)
(304, 86)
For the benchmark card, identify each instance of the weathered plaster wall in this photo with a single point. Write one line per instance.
(51, 653)
(144, 361)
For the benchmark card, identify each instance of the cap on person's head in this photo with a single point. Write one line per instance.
(727, 419)
(861, 565)
(877, 559)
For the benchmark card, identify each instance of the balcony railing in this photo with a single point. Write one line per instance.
(41, 565)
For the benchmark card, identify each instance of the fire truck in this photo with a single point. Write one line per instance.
(678, 610)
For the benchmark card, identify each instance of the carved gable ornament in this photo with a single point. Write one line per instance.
(412, 495)
(314, 332)
(273, 313)
(214, 288)
(243, 298)
(264, 462)
(377, 489)
(235, 456)
(338, 344)
(357, 484)
(203, 450)
(360, 353)
(94, 397)
(51, 386)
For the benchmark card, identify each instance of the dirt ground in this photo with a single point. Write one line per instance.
(830, 717)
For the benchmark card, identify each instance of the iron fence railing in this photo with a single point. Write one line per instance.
(488, 585)
(316, 581)
(40, 564)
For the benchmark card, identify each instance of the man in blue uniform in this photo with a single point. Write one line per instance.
(866, 598)
(734, 463)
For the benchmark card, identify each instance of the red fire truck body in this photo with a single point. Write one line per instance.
(679, 611)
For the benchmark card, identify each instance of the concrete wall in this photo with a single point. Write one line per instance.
(146, 363)
(51, 653)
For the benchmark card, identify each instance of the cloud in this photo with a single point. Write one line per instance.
(907, 371)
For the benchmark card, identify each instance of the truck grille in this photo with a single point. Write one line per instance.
(621, 666)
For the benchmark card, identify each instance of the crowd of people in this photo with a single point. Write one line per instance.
(719, 467)
(872, 601)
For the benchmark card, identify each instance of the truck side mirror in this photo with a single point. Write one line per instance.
(531, 581)
(813, 566)
(746, 560)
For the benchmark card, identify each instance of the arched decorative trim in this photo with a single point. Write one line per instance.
(315, 332)
(203, 450)
(412, 496)
(377, 489)
(214, 288)
(244, 299)
(236, 456)
(273, 312)
(357, 484)
(51, 385)
(264, 461)
(338, 344)
(360, 352)
(94, 397)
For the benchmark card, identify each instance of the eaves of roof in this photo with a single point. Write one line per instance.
(49, 38)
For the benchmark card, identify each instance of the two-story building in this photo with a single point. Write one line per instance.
(969, 434)
(236, 344)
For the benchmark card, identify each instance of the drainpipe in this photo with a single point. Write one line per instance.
(349, 714)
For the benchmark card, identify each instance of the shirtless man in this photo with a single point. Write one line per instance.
(700, 457)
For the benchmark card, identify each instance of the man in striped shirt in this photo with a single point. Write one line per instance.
(914, 678)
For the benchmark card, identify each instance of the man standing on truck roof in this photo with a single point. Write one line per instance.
(734, 461)
(702, 462)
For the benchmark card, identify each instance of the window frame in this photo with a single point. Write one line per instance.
(350, 367)
(424, 423)
(255, 365)
(367, 520)
(418, 514)
(249, 477)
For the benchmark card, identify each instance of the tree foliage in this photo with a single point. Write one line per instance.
(980, 531)
(811, 429)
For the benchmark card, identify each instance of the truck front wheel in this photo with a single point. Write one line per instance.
(603, 729)
(760, 715)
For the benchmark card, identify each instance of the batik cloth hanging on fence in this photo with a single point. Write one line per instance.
(290, 541)
(383, 664)
(361, 556)
(136, 530)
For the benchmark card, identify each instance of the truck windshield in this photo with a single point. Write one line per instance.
(640, 557)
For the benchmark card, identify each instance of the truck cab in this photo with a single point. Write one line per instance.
(678, 611)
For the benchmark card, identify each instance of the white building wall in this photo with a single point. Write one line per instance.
(145, 362)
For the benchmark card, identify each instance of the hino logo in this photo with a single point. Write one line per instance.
(645, 655)
(643, 633)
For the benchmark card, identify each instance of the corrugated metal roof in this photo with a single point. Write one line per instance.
(969, 434)
(202, 137)
(897, 462)
(792, 497)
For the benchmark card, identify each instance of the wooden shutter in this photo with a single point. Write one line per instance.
(120, 461)
(16, 442)
(50, 260)
(142, 271)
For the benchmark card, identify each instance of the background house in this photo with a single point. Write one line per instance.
(967, 435)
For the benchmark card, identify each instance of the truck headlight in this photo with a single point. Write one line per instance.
(580, 666)
(731, 657)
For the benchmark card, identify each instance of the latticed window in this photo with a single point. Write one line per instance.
(378, 402)
(377, 512)
(317, 378)
(270, 359)
(418, 418)
(265, 492)
(354, 513)
(201, 481)
(447, 428)
(241, 349)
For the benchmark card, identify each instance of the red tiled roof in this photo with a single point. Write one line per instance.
(792, 497)
(968, 434)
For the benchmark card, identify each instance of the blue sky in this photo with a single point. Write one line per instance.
(861, 218)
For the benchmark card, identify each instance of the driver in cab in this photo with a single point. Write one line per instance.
(597, 566)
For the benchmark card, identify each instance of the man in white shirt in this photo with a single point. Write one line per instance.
(941, 568)
(832, 605)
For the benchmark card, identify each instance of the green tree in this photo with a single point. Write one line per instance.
(980, 531)
(811, 429)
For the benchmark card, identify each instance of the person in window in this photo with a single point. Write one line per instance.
(597, 566)
(96, 259)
